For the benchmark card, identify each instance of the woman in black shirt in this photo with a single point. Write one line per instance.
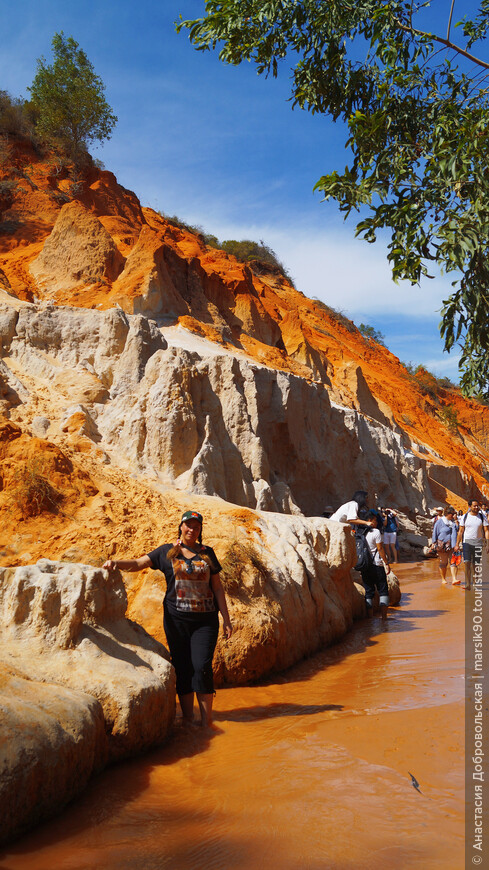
(194, 595)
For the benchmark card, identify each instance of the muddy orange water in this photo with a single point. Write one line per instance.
(308, 771)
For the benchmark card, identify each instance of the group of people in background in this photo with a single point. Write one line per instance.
(380, 527)
(456, 534)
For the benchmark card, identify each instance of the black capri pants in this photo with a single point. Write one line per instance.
(192, 642)
(372, 577)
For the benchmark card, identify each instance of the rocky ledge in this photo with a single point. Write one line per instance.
(81, 686)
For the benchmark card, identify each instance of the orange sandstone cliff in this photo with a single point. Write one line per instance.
(100, 250)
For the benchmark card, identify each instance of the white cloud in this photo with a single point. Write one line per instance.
(444, 365)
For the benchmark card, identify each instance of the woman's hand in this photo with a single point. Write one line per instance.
(110, 565)
(227, 629)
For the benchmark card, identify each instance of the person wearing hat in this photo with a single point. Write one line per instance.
(435, 516)
(194, 595)
(444, 541)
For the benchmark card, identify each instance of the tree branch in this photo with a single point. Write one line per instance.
(450, 19)
(446, 42)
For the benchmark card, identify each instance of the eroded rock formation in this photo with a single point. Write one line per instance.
(79, 251)
(81, 686)
(140, 371)
(204, 420)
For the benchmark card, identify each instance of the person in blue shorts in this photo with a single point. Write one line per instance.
(391, 526)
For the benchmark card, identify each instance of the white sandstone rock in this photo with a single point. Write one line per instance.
(65, 623)
(215, 424)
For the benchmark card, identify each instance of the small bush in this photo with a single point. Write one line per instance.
(210, 240)
(336, 314)
(449, 417)
(372, 333)
(247, 251)
(446, 383)
(175, 221)
(239, 561)
(16, 116)
(427, 381)
(31, 493)
(256, 254)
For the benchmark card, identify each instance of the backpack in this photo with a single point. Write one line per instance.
(479, 514)
(364, 556)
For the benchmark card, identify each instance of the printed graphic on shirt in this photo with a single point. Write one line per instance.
(192, 589)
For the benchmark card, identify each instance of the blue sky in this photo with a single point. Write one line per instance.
(221, 147)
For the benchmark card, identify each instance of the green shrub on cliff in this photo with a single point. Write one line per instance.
(257, 253)
(449, 417)
(246, 250)
(17, 117)
(372, 333)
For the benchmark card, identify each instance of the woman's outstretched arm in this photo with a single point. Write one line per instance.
(128, 564)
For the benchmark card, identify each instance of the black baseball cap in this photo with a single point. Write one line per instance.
(191, 515)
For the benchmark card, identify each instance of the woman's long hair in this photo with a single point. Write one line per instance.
(176, 551)
(360, 496)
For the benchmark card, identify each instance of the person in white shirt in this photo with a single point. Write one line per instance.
(374, 576)
(473, 528)
(348, 512)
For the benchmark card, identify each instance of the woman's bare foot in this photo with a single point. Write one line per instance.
(205, 706)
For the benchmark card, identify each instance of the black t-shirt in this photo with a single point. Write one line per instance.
(188, 589)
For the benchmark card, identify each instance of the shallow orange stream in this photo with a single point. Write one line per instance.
(308, 771)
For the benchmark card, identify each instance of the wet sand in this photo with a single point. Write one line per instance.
(310, 770)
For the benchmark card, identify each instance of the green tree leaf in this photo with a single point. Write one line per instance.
(415, 105)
